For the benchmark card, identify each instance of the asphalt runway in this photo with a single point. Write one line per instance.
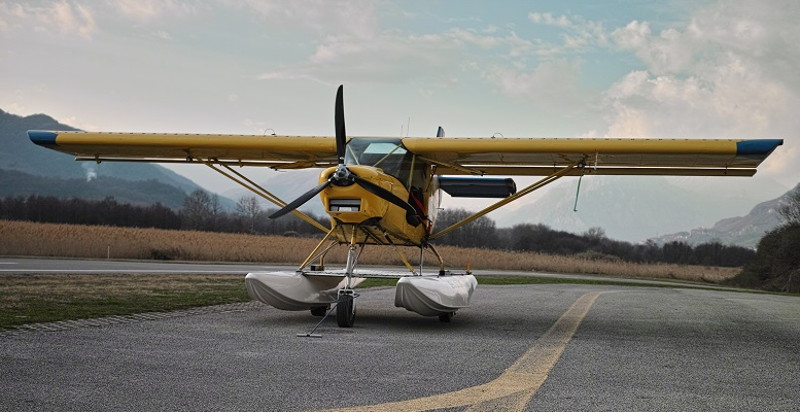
(532, 347)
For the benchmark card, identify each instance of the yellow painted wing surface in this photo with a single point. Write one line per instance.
(542, 156)
(272, 151)
(477, 156)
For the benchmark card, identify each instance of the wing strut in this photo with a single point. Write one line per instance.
(260, 191)
(541, 183)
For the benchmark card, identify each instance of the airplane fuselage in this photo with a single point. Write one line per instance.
(362, 216)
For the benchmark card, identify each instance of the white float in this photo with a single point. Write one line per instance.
(435, 295)
(425, 295)
(295, 290)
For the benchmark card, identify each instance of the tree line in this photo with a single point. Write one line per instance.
(106, 212)
(776, 265)
(592, 244)
(202, 211)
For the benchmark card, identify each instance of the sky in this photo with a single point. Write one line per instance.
(668, 69)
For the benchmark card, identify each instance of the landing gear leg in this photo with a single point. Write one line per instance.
(346, 304)
(446, 317)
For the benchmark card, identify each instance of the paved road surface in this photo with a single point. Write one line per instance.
(533, 347)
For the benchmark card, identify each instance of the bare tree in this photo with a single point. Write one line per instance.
(247, 207)
(595, 233)
(199, 211)
(479, 233)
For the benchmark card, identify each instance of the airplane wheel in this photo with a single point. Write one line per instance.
(319, 310)
(446, 317)
(346, 311)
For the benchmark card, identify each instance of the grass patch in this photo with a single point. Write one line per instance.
(53, 297)
(376, 282)
(544, 280)
(47, 298)
(508, 280)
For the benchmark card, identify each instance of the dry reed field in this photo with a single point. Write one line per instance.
(62, 240)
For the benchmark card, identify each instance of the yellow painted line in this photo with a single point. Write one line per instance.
(515, 387)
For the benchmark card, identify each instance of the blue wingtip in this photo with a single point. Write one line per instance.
(761, 147)
(42, 137)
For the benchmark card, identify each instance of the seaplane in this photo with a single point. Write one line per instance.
(385, 191)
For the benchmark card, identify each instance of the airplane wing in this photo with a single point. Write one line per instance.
(247, 150)
(542, 156)
(453, 156)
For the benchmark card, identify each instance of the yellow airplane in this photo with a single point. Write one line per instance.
(386, 191)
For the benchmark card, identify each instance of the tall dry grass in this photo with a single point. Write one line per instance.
(61, 240)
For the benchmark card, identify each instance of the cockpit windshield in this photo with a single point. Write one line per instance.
(386, 154)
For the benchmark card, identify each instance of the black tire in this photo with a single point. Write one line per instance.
(319, 310)
(346, 311)
(446, 317)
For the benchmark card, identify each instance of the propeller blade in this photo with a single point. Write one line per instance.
(305, 197)
(411, 213)
(341, 135)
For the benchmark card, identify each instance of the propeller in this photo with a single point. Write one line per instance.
(343, 177)
(305, 197)
(338, 119)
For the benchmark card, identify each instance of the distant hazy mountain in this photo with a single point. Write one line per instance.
(80, 179)
(635, 208)
(744, 230)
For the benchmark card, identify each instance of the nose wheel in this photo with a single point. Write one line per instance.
(346, 309)
(446, 317)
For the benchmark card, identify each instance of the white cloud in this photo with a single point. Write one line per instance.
(73, 19)
(327, 17)
(163, 35)
(725, 74)
(395, 57)
(140, 9)
(60, 17)
(146, 10)
(555, 81)
(732, 96)
(577, 32)
(9, 13)
(549, 19)
(17, 109)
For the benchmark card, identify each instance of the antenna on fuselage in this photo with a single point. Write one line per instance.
(440, 132)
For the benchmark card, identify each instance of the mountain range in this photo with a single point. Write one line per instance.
(744, 230)
(27, 169)
(637, 208)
